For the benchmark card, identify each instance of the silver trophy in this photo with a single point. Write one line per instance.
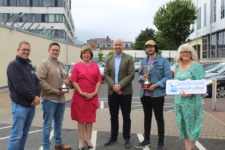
(64, 75)
(146, 70)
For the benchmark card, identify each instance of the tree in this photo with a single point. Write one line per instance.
(143, 37)
(163, 43)
(110, 53)
(173, 21)
(100, 54)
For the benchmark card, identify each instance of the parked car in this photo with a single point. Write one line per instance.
(101, 66)
(217, 70)
(220, 85)
(137, 65)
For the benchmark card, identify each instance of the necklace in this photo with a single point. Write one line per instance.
(86, 64)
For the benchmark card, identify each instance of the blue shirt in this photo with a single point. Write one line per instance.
(117, 66)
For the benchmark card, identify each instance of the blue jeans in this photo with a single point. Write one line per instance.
(22, 119)
(52, 111)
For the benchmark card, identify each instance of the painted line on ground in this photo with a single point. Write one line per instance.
(141, 138)
(200, 147)
(5, 127)
(102, 105)
(94, 139)
(28, 133)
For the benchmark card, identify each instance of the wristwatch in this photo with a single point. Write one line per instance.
(157, 85)
(81, 92)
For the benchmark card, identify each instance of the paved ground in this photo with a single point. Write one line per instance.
(212, 136)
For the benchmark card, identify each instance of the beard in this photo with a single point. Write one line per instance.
(151, 53)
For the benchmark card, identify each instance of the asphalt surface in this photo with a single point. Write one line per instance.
(100, 135)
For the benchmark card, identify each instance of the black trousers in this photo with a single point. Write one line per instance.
(156, 104)
(124, 101)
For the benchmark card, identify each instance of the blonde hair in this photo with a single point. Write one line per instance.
(186, 47)
(84, 49)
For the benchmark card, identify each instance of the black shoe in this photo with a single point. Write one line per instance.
(161, 146)
(82, 148)
(89, 147)
(110, 142)
(127, 144)
(143, 144)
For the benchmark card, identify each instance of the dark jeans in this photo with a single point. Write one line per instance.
(155, 103)
(124, 101)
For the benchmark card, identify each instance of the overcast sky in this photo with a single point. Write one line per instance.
(116, 18)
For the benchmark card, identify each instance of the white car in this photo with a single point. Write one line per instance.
(101, 66)
(137, 65)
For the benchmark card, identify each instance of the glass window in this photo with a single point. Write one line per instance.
(1, 3)
(5, 3)
(38, 18)
(222, 9)
(213, 11)
(53, 3)
(205, 47)
(34, 3)
(14, 17)
(41, 3)
(47, 3)
(12, 3)
(46, 18)
(57, 18)
(213, 47)
(51, 18)
(199, 19)
(60, 3)
(22, 3)
(1, 17)
(204, 14)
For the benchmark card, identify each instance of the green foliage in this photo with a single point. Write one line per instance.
(145, 35)
(173, 21)
(110, 53)
(100, 54)
(160, 52)
(163, 43)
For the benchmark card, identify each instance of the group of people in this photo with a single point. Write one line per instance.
(28, 89)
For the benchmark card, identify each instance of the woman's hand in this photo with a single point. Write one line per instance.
(183, 94)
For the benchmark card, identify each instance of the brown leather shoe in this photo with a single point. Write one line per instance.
(62, 147)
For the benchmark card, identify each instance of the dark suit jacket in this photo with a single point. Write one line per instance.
(125, 75)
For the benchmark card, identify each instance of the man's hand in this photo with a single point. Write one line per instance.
(36, 101)
(58, 92)
(144, 78)
(152, 87)
(119, 92)
(116, 87)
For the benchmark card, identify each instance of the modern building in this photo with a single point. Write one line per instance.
(41, 16)
(106, 44)
(209, 30)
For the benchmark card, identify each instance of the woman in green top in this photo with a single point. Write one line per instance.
(188, 107)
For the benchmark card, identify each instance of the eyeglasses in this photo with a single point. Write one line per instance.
(55, 50)
(25, 50)
(185, 52)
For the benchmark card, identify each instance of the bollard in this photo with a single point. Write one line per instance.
(214, 93)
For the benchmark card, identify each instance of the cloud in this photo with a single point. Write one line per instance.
(116, 18)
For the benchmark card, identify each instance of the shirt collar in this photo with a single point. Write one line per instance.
(56, 61)
(118, 56)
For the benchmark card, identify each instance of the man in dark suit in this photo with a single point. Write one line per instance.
(119, 73)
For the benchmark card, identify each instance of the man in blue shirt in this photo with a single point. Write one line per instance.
(24, 92)
(119, 73)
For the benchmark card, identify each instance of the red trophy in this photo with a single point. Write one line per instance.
(64, 75)
(146, 70)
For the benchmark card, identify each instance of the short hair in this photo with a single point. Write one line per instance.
(53, 43)
(84, 49)
(23, 42)
(188, 48)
